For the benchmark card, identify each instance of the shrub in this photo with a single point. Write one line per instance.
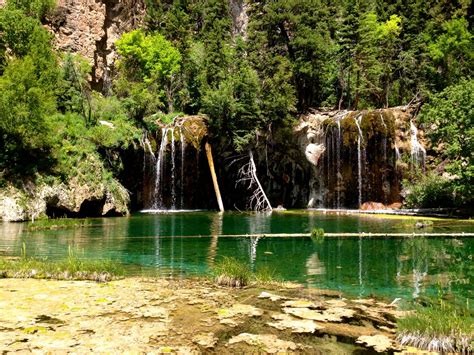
(429, 191)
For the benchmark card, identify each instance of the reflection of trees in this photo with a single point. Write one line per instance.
(442, 261)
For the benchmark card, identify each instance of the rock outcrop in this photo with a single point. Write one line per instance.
(358, 156)
(91, 27)
(73, 199)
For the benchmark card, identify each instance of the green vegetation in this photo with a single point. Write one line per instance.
(71, 268)
(190, 58)
(442, 327)
(429, 191)
(59, 223)
(231, 272)
(317, 235)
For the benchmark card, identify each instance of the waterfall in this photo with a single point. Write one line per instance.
(183, 153)
(384, 138)
(384, 144)
(418, 153)
(147, 145)
(397, 153)
(158, 199)
(173, 168)
(358, 120)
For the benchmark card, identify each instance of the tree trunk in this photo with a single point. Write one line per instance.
(207, 146)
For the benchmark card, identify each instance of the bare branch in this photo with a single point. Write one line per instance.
(248, 175)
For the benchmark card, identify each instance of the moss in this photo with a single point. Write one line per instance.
(194, 129)
(349, 129)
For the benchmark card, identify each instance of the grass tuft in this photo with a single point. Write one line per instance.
(232, 273)
(441, 327)
(71, 268)
(58, 223)
(317, 235)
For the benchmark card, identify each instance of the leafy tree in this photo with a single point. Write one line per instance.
(453, 51)
(153, 60)
(235, 105)
(75, 92)
(25, 105)
(449, 120)
(33, 8)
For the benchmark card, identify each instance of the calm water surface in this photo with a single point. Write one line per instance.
(183, 244)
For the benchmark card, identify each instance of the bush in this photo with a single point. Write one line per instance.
(429, 191)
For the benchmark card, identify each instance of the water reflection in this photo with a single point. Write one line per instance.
(360, 266)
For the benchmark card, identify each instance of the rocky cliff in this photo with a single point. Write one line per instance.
(91, 27)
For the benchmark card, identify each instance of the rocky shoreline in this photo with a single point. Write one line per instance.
(188, 316)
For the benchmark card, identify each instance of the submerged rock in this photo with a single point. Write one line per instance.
(285, 321)
(267, 342)
(380, 343)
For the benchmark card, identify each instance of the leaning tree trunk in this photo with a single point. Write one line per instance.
(207, 146)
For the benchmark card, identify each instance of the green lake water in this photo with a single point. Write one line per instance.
(189, 243)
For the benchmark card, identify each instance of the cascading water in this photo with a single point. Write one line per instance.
(173, 172)
(358, 121)
(338, 164)
(168, 192)
(157, 196)
(418, 153)
(183, 154)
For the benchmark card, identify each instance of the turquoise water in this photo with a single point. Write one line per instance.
(183, 244)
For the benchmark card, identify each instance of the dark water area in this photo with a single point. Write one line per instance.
(184, 244)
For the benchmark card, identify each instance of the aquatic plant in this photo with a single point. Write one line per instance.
(232, 272)
(440, 327)
(317, 235)
(70, 268)
(266, 275)
(57, 223)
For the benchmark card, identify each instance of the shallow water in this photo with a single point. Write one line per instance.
(189, 243)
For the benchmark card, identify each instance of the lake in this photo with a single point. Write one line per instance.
(182, 244)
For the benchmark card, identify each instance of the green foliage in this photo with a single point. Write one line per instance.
(75, 93)
(34, 8)
(152, 62)
(113, 128)
(449, 121)
(453, 51)
(440, 327)
(429, 191)
(317, 235)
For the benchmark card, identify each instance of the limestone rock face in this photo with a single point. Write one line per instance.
(76, 199)
(91, 27)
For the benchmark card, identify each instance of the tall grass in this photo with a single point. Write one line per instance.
(70, 268)
(234, 273)
(441, 327)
